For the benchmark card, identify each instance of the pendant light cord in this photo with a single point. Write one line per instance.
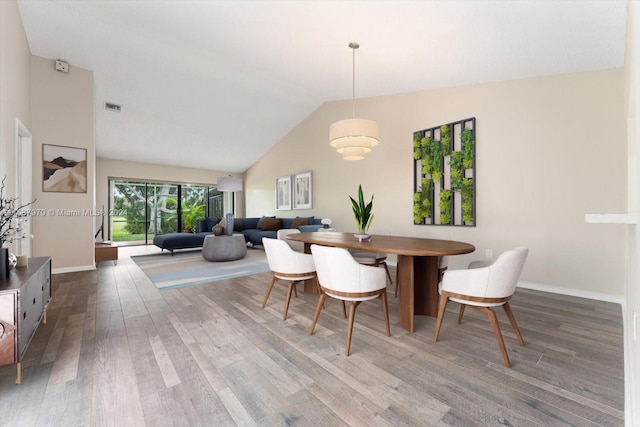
(353, 46)
(353, 104)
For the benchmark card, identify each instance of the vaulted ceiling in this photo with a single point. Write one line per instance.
(215, 84)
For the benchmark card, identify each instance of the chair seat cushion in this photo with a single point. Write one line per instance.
(288, 277)
(366, 257)
(367, 298)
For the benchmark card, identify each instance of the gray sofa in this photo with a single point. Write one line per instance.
(253, 230)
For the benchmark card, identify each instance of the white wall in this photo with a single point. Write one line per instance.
(549, 150)
(62, 114)
(15, 88)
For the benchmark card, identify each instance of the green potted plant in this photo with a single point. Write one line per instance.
(362, 214)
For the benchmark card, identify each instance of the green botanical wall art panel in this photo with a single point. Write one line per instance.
(444, 184)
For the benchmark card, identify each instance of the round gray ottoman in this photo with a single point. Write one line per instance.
(224, 248)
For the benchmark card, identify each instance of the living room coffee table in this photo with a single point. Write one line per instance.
(224, 248)
(417, 271)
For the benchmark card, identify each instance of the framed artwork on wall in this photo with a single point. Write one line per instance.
(283, 193)
(302, 194)
(64, 169)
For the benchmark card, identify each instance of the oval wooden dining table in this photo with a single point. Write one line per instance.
(417, 270)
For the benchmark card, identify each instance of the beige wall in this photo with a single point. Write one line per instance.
(15, 89)
(109, 168)
(632, 345)
(62, 108)
(549, 150)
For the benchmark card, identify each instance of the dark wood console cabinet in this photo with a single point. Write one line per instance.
(23, 302)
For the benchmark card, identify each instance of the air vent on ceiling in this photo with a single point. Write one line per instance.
(112, 107)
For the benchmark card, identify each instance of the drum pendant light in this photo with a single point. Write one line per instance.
(353, 138)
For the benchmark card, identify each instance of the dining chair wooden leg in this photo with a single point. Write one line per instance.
(444, 298)
(461, 313)
(323, 296)
(385, 310)
(507, 309)
(344, 309)
(317, 282)
(496, 330)
(386, 267)
(397, 285)
(295, 290)
(352, 315)
(266, 297)
(292, 286)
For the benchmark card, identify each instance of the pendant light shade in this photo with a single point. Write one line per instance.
(354, 138)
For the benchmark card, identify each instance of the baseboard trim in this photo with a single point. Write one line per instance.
(73, 269)
(599, 296)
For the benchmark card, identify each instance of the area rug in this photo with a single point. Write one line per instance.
(189, 268)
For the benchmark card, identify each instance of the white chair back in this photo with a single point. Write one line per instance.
(505, 271)
(497, 280)
(283, 259)
(337, 270)
(284, 232)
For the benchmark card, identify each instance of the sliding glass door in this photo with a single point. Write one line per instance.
(193, 203)
(129, 224)
(144, 209)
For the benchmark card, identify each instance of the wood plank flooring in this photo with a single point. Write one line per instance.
(118, 352)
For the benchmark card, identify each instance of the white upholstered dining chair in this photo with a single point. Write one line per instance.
(289, 265)
(482, 287)
(343, 278)
(284, 232)
(375, 259)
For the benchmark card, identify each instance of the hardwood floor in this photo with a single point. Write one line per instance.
(117, 352)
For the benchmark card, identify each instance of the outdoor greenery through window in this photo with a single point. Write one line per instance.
(150, 208)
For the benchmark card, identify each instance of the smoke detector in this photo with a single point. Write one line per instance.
(62, 66)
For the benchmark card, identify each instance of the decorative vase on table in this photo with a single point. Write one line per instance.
(229, 224)
(4, 263)
(13, 261)
(362, 237)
